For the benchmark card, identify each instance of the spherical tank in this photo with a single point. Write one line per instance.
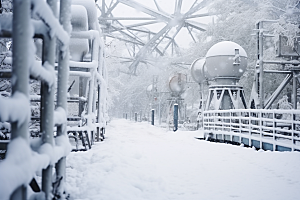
(199, 70)
(226, 59)
(177, 83)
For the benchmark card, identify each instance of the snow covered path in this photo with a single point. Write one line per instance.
(138, 161)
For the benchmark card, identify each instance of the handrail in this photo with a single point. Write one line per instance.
(283, 126)
(22, 159)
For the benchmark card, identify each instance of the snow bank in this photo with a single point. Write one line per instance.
(140, 161)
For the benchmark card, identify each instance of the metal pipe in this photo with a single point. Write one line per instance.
(282, 62)
(152, 117)
(277, 71)
(62, 87)
(294, 100)
(202, 101)
(21, 38)
(47, 105)
(261, 68)
(175, 128)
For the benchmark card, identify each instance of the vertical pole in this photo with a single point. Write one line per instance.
(294, 91)
(175, 117)
(47, 105)
(261, 68)
(100, 71)
(62, 82)
(135, 116)
(295, 82)
(152, 117)
(20, 70)
(202, 102)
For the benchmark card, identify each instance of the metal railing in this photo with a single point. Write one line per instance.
(278, 129)
(25, 156)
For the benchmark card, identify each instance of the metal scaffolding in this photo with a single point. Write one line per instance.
(142, 39)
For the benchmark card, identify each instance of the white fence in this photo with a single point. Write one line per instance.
(266, 129)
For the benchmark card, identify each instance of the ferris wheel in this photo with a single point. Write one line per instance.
(151, 26)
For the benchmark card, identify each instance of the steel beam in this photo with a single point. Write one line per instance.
(200, 15)
(178, 6)
(196, 8)
(196, 25)
(143, 50)
(137, 25)
(149, 11)
(157, 6)
(190, 32)
(128, 18)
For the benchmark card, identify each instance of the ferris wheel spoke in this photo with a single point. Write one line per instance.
(157, 6)
(110, 9)
(190, 32)
(149, 11)
(173, 37)
(196, 8)
(178, 6)
(196, 25)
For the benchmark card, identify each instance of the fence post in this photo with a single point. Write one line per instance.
(47, 105)
(175, 117)
(274, 132)
(21, 38)
(62, 79)
(152, 117)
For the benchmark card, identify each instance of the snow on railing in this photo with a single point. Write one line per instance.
(276, 127)
(15, 108)
(26, 157)
(44, 12)
(96, 78)
(23, 158)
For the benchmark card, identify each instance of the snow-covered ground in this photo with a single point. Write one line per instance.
(139, 161)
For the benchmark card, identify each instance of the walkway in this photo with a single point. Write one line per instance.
(138, 161)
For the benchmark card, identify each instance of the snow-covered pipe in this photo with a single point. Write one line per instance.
(42, 10)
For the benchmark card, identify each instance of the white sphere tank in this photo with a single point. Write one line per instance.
(226, 59)
(199, 71)
(177, 83)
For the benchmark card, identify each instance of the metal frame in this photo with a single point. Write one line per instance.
(257, 126)
(289, 67)
(23, 68)
(149, 42)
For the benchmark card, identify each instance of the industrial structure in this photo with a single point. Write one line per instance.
(140, 40)
(227, 118)
(62, 53)
(176, 110)
(44, 65)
